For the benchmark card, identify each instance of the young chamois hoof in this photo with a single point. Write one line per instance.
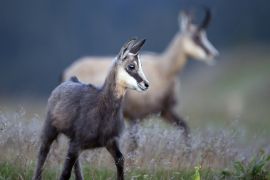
(92, 117)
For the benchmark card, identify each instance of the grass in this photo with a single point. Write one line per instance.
(167, 159)
(10, 171)
(256, 169)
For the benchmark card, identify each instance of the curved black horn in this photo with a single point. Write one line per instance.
(207, 18)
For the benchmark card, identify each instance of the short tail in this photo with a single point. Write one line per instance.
(62, 79)
(74, 79)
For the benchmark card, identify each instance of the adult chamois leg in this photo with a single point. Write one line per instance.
(114, 150)
(77, 170)
(133, 136)
(49, 135)
(71, 158)
(170, 116)
(176, 120)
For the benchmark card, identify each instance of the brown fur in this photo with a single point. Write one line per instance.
(89, 116)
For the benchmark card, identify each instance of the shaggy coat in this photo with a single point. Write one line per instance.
(89, 116)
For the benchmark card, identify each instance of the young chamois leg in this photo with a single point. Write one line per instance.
(113, 148)
(49, 135)
(77, 170)
(71, 158)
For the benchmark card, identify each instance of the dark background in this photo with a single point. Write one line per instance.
(39, 38)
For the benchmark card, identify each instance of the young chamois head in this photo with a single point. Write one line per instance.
(129, 69)
(195, 42)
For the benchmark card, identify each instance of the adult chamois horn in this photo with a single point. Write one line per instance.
(207, 18)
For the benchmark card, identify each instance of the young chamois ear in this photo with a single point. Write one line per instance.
(125, 48)
(137, 46)
(132, 46)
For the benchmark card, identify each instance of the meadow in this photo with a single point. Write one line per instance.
(226, 106)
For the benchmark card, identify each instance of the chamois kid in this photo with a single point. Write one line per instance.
(92, 117)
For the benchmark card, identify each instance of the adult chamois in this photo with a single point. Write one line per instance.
(89, 116)
(162, 71)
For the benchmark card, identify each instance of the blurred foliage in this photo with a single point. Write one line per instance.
(197, 175)
(257, 168)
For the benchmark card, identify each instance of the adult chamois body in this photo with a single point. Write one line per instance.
(161, 69)
(92, 117)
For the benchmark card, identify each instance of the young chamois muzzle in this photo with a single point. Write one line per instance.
(92, 117)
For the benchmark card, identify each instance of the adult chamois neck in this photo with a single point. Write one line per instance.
(173, 58)
(111, 88)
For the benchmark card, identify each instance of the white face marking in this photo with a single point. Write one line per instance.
(213, 51)
(126, 80)
(193, 50)
(196, 51)
(140, 71)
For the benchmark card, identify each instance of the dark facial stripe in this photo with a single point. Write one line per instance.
(198, 41)
(136, 76)
(134, 73)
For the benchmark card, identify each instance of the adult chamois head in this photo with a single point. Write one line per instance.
(92, 117)
(195, 41)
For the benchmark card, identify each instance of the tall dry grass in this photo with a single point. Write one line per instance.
(160, 146)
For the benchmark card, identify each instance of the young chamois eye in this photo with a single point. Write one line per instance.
(131, 67)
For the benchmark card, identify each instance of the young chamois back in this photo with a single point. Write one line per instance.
(92, 117)
(162, 71)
